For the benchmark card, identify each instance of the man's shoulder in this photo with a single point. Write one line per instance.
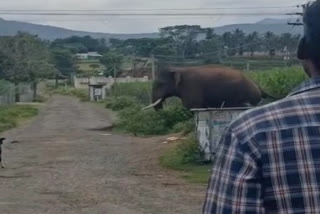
(263, 119)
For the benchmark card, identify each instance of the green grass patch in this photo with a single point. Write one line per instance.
(82, 94)
(128, 99)
(10, 116)
(141, 91)
(169, 120)
(279, 82)
(185, 157)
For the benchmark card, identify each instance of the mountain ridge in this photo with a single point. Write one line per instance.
(9, 28)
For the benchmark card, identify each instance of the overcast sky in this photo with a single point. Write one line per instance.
(141, 24)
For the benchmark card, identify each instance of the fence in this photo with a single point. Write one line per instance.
(7, 95)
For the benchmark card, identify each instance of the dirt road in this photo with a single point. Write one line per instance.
(64, 164)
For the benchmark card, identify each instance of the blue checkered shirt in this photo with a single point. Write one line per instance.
(268, 160)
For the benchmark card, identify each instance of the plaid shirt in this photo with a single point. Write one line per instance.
(269, 159)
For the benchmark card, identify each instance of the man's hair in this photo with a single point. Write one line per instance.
(312, 32)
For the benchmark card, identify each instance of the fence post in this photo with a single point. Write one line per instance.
(248, 66)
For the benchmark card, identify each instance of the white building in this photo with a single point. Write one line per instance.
(89, 55)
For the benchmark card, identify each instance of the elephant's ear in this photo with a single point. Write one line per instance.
(178, 78)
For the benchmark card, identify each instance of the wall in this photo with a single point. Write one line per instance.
(210, 125)
(82, 83)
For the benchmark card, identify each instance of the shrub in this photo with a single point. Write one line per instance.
(186, 127)
(82, 94)
(279, 82)
(133, 119)
(120, 103)
(10, 115)
(186, 152)
(142, 122)
(139, 90)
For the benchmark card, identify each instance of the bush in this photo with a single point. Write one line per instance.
(279, 82)
(187, 152)
(120, 103)
(11, 115)
(134, 120)
(82, 94)
(185, 127)
(142, 122)
(141, 91)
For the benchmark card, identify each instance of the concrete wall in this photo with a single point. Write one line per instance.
(210, 125)
(82, 83)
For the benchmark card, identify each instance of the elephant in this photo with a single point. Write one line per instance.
(208, 86)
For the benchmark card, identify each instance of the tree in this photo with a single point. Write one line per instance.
(210, 34)
(227, 42)
(253, 40)
(183, 36)
(113, 63)
(270, 42)
(25, 57)
(64, 63)
(78, 44)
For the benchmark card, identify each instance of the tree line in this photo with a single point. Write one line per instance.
(193, 41)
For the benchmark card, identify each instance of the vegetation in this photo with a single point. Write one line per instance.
(129, 99)
(133, 120)
(10, 116)
(141, 91)
(82, 94)
(76, 44)
(279, 82)
(182, 42)
(113, 63)
(185, 157)
(4, 85)
(25, 58)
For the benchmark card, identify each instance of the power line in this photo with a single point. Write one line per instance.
(142, 14)
(147, 9)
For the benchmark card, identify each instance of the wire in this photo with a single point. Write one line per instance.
(148, 9)
(140, 14)
(111, 19)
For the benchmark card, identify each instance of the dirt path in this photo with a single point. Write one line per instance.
(61, 164)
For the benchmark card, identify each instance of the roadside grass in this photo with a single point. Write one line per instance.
(82, 94)
(185, 157)
(11, 115)
(279, 82)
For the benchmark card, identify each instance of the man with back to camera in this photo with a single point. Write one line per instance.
(269, 158)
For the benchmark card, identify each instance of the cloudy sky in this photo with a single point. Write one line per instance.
(140, 24)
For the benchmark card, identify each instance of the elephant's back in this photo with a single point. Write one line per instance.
(218, 84)
(212, 73)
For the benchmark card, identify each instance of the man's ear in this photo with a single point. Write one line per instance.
(303, 49)
(178, 78)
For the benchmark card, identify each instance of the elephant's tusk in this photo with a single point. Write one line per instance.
(152, 105)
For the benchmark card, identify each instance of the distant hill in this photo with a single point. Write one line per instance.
(8, 28)
(277, 26)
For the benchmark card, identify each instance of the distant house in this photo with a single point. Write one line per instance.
(89, 55)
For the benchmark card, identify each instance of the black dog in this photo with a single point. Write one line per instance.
(1, 142)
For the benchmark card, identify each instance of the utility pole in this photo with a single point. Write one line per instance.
(134, 64)
(115, 74)
(153, 67)
(298, 22)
